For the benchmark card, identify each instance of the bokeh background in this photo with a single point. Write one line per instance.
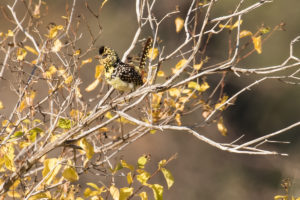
(202, 171)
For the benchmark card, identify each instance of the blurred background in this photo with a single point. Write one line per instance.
(202, 171)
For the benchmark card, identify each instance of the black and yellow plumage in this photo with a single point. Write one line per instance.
(120, 75)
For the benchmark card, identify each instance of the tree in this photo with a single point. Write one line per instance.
(51, 114)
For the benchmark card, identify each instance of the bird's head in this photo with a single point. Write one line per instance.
(107, 56)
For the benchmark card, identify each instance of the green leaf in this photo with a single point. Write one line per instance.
(64, 123)
(18, 134)
(125, 193)
(33, 133)
(117, 168)
(168, 176)
(157, 191)
(70, 174)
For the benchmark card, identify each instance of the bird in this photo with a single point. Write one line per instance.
(122, 76)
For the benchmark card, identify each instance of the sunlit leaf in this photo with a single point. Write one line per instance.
(70, 174)
(10, 33)
(153, 131)
(89, 60)
(36, 12)
(64, 123)
(221, 102)
(103, 3)
(143, 177)
(153, 53)
(281, 197)
(21, 53)
(125, 193)
(88, 148)
(54, 30)
(264, 30)
(69, 80)
(157, 191)
(51, 169)
(179, 22)
(129, 178)
(198, 66)
(204, 86)
(9, 155)
(114, 192)
(257, 44)
(30, 49)
(160, 73)
(231, 27)
(194, 85)
(245, 33)
(77, 52)
(98, 71)
(92, 86)
(168, 177)
(108, 115)
(174, 92)
(1, 105)
(178, 120)
(143, 196)
(43, 195)
(126, 165)
(142, 161)
(180, 64)
(57, 45)
(221, 127)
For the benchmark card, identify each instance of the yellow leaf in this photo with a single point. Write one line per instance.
(89, 60)
(9, 155)
(70, 174)
(245, 33)
(264, 30)
(92, 86)
(88, 148)
(44, 195)
(114, 192)
(52, 69)
(30, 49)
(108, 115)
(153, 131)
(98, 71)
(257, 44)
(156, 99)
(221, 127)
(125, 193)
(203, 87)
(143, 196)
(142, 162)
(129, 178)
(51, 169)
(143, 177)
(57, 45)
(69, 80)
(168, 177)
(21, 53)
(222, 101)
(14, 194)
(10, 33)
(194, 85)
(54, 30)
(174, 92)
(1, 105)
(153, 53)
(180, 64)
(77, 52)
(126, 165)
(177, 118)
(157, 191)
(231, 27)
(104, 2)
(1, 34)
(281, 197)
(198, 66)
(179, 22)
(160, 73)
